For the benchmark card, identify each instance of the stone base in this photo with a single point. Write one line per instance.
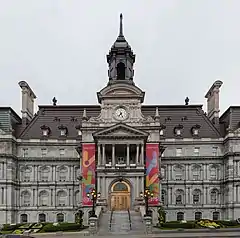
(148, 224)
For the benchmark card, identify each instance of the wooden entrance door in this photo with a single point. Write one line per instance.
(120, 196)
(120, 201)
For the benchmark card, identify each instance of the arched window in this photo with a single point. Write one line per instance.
(180, 216)
(77, 198)
(163, 173)
(42, 217)
(78, 217)
(43, 198)
(216, 216)
(214, 172)
(198, 216)
(26, 173)
(23, 218)
(196, 196)
(179, 172)
(25, 198)
(164, 197)
(60, 217)
(62, 198)
(62, 173)
(77, 172)
(214, 196)
(179, 197)
(120, 71)
(44, 173)
(196, 172)
(119, 187)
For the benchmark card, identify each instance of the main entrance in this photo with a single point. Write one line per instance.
(120, 196)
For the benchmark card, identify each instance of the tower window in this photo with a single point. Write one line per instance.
(120, 71)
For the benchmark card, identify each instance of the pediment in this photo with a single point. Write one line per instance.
(120, 130)
(121, 91)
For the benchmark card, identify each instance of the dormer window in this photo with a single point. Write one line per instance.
(178, 130)
(195, 130)
(45, 130)
(162, 129)
(63, 130)
(79, 131)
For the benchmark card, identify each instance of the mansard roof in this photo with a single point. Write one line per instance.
(120, 130)
(71, 116)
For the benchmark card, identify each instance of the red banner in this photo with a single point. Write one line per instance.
(152, 172)
(88, 172)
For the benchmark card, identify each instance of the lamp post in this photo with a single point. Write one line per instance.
(93, 196)
(146, 195)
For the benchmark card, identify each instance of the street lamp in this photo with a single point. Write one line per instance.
(146, 195)
(93, 195)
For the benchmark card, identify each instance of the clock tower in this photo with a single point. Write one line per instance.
(121, 99)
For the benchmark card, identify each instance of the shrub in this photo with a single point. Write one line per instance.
(176, 225)
(10, 227)
(228, 223)
(62, 227)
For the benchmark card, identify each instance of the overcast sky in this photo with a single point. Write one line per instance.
(59, 47)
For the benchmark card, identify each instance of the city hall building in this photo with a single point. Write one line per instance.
(51, 160)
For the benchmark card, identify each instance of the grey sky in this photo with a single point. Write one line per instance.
(59, 47)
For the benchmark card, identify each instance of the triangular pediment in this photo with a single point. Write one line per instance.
(120, 130)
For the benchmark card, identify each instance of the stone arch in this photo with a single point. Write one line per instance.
(114, 181)
(120, 193)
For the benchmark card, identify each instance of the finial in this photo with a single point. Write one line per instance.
(84, 117)
(54, 100)
(157, 113)
(121, 25)
(186, 101)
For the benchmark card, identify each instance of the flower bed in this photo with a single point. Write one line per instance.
(203, 223)
(41, 227)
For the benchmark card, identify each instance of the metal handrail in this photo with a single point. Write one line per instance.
(110, 222)
(129, 218)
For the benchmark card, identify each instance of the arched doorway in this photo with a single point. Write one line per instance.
(120, 196)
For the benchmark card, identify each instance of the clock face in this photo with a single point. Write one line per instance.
(121, 114)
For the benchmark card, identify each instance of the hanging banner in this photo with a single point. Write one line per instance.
(88, 172)
(152, 172)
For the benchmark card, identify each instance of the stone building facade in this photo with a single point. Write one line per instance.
(42, 154)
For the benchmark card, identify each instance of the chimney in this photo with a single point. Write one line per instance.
(28, 97)
(212, 96)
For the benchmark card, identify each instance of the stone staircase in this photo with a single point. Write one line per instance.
(120, 224)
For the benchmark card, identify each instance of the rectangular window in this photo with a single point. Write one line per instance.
(179, 152)
(44, 152)
(214, 151)
(62, 152)
(25, 152)
(196, 151)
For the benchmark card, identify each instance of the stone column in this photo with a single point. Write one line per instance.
(137, 155)
(113, 155)
(104, 187)
(99, 155)
(142, 154)
(128, 154)
(99, 185)
(103, 155)
(137, 187)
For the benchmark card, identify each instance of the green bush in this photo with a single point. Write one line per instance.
(228, 223)
(176, 225)
(8, 227)
(62, 227)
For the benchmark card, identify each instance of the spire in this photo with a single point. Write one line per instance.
(121, 59)
(121, 25)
